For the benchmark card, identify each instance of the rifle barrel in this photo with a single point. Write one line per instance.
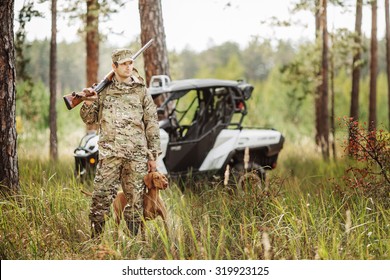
(142, 49)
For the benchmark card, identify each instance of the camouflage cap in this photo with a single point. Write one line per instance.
(121, 55)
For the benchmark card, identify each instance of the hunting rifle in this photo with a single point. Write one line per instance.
(75, 98)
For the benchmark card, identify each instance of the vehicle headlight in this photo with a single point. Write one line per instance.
(80, 152)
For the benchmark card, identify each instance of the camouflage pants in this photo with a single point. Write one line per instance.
(111, 173)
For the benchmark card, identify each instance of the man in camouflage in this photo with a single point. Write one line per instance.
(129, 142)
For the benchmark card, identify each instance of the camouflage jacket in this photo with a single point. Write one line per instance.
(127, 120)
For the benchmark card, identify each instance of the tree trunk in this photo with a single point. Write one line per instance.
(317, 94)
(9, 172)
(92, 42)
(354, 109)
(388, 56)
(324, 87)
(92, 47)
(373, 68)
(152, 26)
(332, 112)
(53, 83)
(321, 94)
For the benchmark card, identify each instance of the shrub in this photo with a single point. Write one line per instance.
(369, 172)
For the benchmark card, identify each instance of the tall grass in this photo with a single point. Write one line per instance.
(302, 212)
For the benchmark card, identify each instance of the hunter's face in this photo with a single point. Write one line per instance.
(124, 70)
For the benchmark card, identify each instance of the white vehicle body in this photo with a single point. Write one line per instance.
(227, 142)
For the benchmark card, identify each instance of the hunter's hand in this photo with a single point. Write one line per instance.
(89, 95)
(152, 166)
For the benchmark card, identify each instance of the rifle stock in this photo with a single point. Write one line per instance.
(73, 99)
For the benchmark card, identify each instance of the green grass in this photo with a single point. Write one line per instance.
(305, 212)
